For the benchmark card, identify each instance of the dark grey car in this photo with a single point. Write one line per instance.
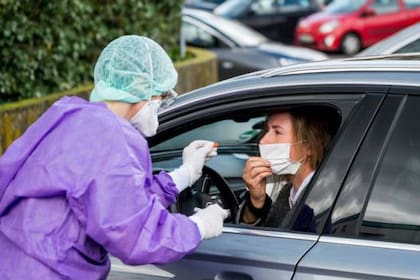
(276, 19)
(365, 195)
(239, 49)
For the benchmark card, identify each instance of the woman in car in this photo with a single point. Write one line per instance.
(291, 149)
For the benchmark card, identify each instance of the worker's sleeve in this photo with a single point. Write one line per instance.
(131, 223)
(165, 188)
(120, 204)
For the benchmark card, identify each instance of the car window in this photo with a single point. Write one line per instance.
(225, 132)
(321, 195)
(281, 212)
(264, 7)
(412, 47)
(411, 4)
(294, 3)
(237, 140)
(345, 217)
(344, 7)
(385, 6)
(198, 37)
(393, 210)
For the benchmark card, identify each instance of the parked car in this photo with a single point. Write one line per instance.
(350, 25)
(276, 19)
(365, 194)
(208, 5)
(239, 49)
(404, 41)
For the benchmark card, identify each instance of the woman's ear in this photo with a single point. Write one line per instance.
(308, 150)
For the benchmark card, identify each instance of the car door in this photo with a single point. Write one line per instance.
(374, 228)
(276, 19)
(388, 18)
(264, 16)
(244, 252)
(290, 12)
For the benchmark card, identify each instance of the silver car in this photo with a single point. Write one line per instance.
(364, 196)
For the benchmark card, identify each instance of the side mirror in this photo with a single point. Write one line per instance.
(368, 12)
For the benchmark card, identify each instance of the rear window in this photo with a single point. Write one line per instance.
(393, 211)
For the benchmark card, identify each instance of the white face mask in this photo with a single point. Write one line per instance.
(146, 120)
(279, 157)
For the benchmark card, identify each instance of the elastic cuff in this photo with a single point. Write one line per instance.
(199, 223)
(181, 177)
(258, 212)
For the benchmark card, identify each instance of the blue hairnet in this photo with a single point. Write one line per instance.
(132, 68)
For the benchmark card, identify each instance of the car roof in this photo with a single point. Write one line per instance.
(393, 42)
(378, 71)
(380, 63)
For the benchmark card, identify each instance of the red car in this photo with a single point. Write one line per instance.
(350, 25)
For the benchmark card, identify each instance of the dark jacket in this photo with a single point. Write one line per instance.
(277, 214)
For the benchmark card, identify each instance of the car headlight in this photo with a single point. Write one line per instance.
(328, 26)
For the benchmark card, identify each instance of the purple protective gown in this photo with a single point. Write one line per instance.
(77, 185)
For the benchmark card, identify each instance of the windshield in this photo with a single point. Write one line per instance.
(344, 6)
(232, 8)
(241, 34)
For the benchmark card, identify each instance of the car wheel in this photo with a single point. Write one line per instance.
(351, 44)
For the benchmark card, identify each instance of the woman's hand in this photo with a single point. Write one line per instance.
(255, 173)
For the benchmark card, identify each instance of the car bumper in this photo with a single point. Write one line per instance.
(323, 42)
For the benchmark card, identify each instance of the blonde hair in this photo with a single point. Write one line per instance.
(315, 128)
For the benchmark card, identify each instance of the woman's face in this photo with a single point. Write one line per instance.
(280, 130)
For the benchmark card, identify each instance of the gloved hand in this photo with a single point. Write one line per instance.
(210, 220)
(193, 158)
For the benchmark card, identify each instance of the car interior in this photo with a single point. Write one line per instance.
(238, 135)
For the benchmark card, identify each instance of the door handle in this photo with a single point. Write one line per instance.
(232, 275)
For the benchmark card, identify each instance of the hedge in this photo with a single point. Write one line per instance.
(49, 46)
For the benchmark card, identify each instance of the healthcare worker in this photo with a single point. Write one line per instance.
(79, 184)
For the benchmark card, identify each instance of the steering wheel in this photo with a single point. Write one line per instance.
(200, 194)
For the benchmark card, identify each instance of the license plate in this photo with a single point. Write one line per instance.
(308, 39)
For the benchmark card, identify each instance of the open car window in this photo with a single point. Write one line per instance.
(224, 132)
(238, 136)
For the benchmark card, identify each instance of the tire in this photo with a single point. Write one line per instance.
(351, 44)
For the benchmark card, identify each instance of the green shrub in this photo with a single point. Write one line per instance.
(50, 46)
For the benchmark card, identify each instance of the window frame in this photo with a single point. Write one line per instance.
(379, 135)
(381, 12)
(389, 145)
(219, 36)
(347, 100)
